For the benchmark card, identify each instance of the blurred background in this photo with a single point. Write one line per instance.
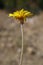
(10, 33)
(32, 5)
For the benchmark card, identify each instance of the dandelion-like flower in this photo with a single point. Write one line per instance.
(20, 15)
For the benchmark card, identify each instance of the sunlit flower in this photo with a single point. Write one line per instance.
(20, 15)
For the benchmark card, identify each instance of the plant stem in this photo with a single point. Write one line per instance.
(21, 57)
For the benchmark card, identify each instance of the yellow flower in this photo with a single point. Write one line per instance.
(21, 15)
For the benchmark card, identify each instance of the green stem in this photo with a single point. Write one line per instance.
(21, 57)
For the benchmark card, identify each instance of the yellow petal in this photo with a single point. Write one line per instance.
(10, 15)
(21, 10)
(26, 14)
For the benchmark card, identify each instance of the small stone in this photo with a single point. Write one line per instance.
(31, 51)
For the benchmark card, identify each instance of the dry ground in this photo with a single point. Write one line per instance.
(10, 40)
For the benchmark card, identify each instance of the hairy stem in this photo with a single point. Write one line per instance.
(21, 57)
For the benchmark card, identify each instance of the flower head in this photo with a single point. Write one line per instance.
(21, 15)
